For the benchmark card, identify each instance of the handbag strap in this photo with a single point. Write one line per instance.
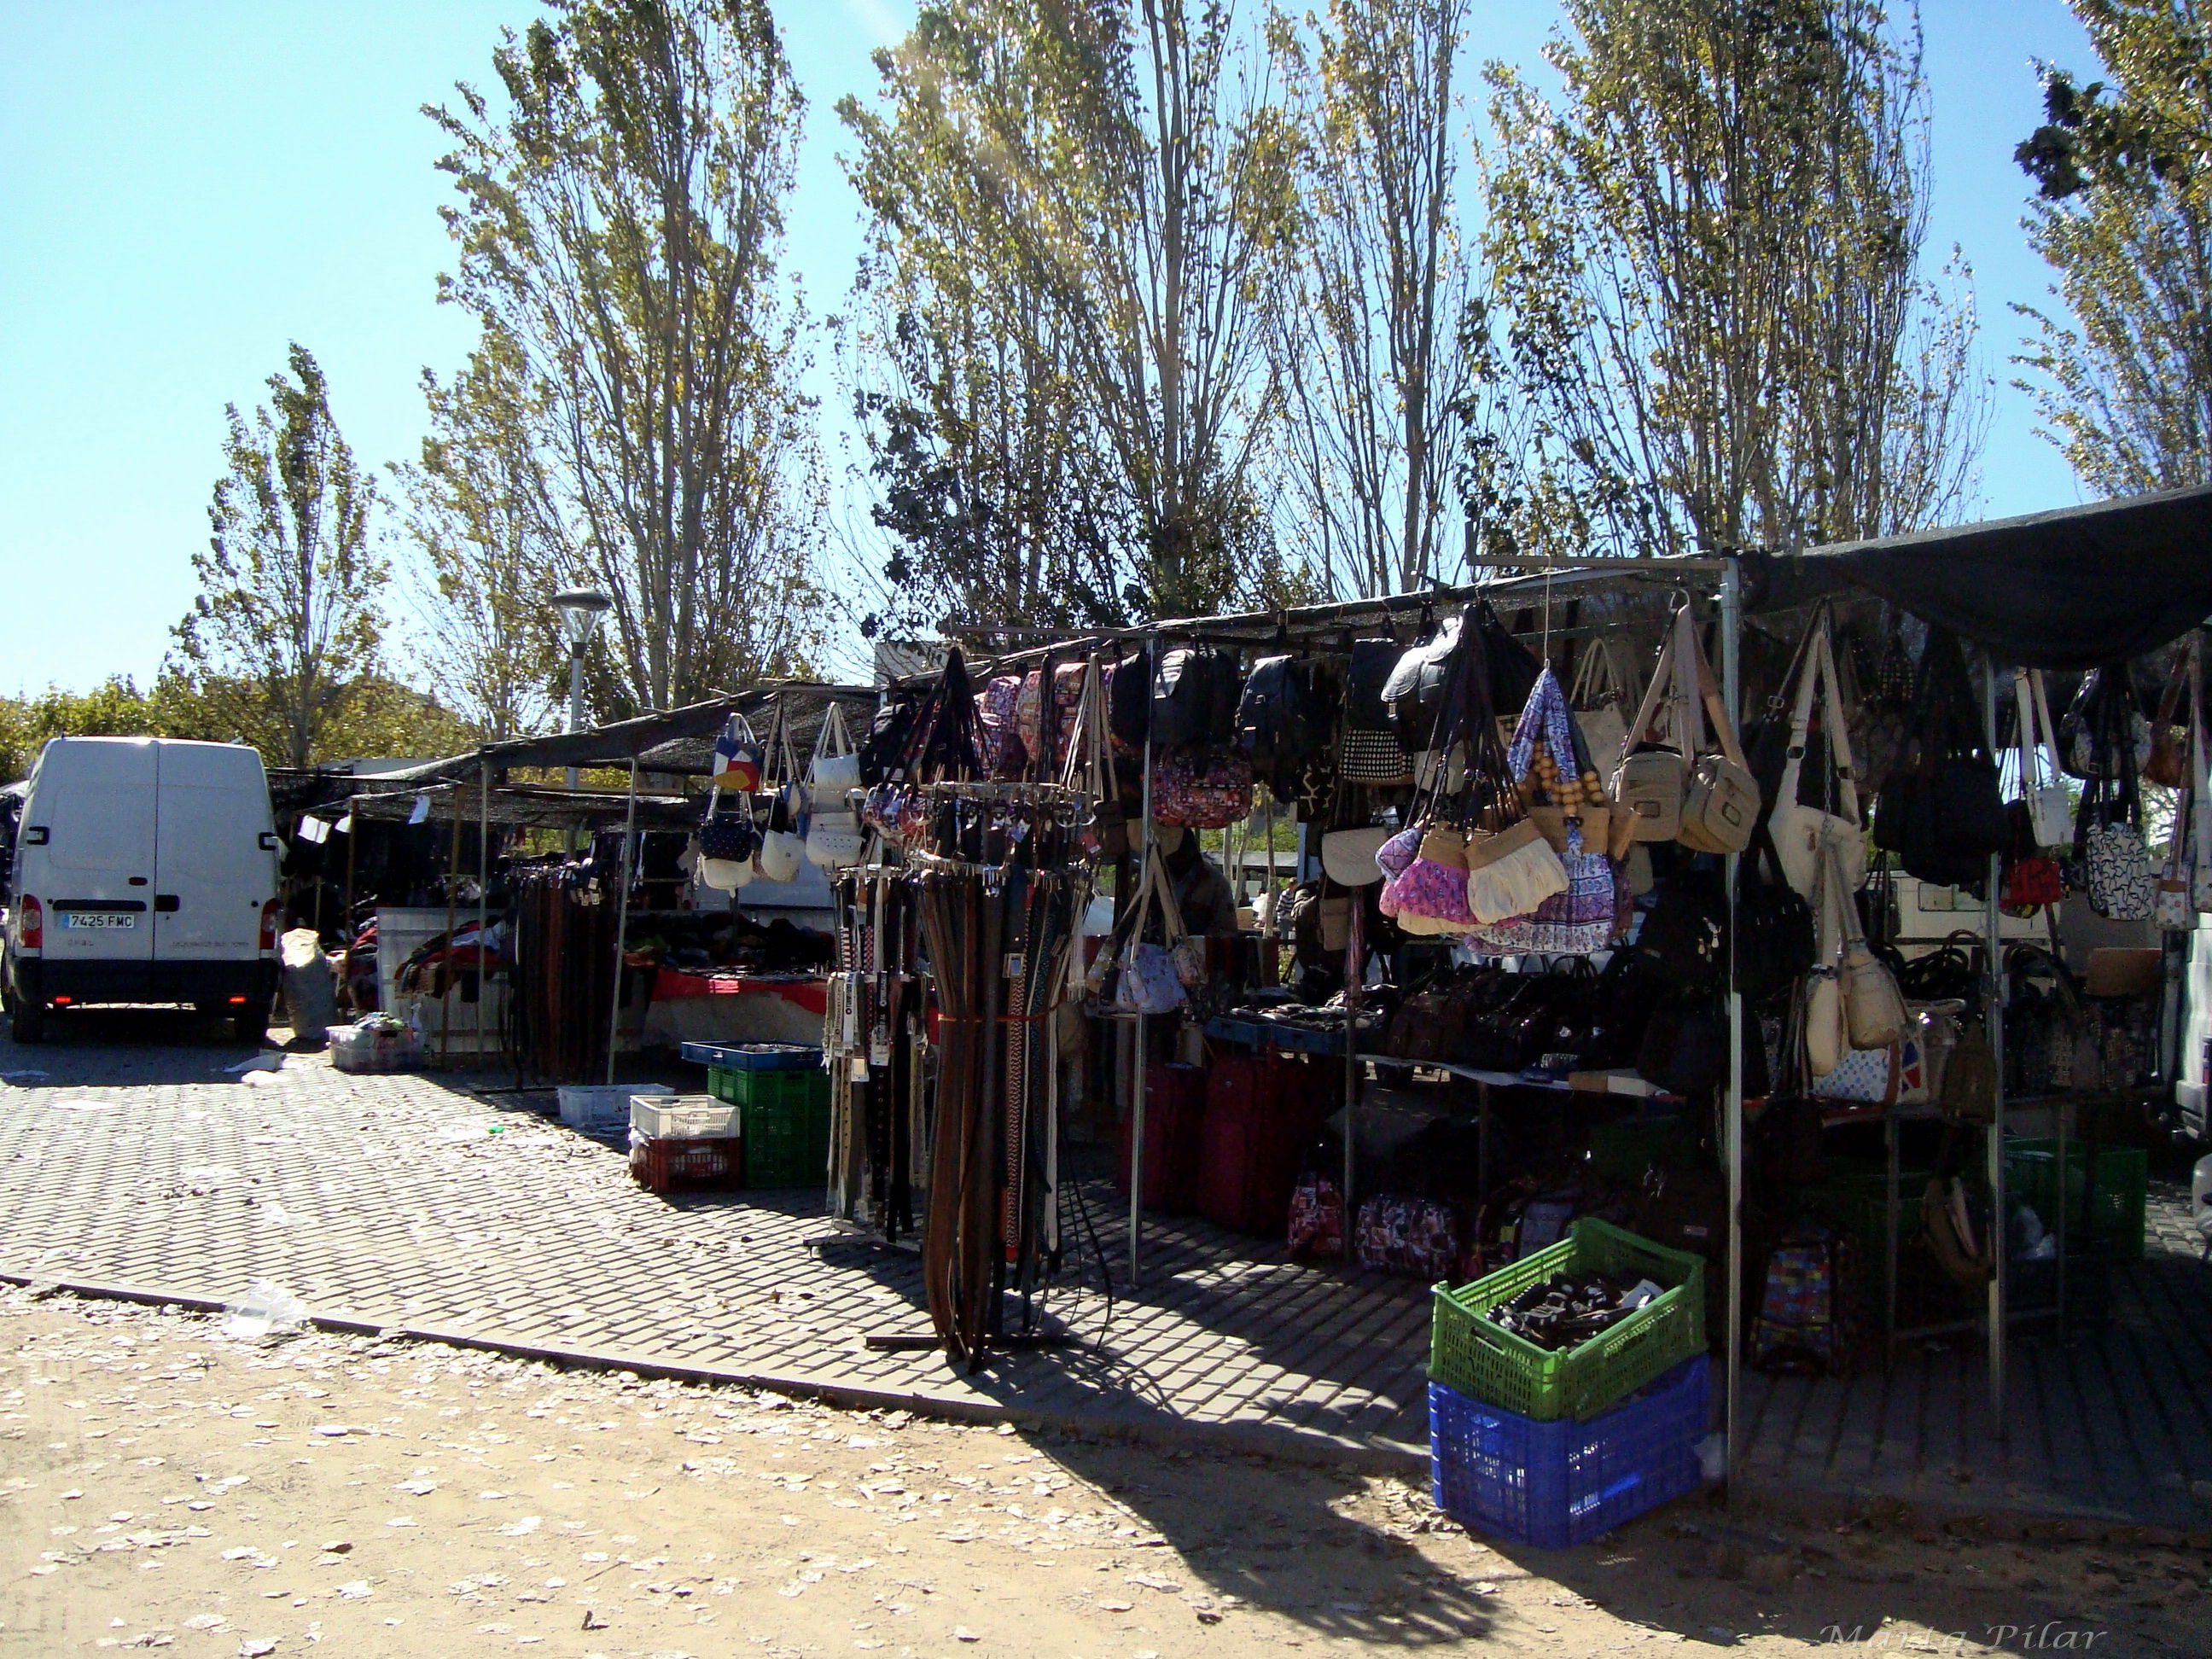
(1597, 677)
(1709, 696)
(1655, 693)
(2200, 797)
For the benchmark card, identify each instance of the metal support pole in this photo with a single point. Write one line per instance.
(1732, 1131)
(452, 881)
(353, 842)
(2000, 1217)
(483, 899)
(575, 701)
(1138, 1067)
(622, 922)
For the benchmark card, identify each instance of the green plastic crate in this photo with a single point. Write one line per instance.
(2122, 1186)
(1469, 1353)
(788, 1142)
(1858, 1199)
(1623, 1150)
(761, 1088)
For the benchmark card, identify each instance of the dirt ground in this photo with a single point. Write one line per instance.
(166, 1485)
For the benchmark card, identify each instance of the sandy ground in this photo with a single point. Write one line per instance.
(162, 1484)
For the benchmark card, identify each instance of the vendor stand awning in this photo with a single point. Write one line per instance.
(2068, 589)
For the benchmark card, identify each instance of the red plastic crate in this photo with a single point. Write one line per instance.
(663, 1164)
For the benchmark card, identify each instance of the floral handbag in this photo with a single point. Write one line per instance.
(999, 745)
(1202, 789)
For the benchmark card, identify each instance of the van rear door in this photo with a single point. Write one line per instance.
(214, 867)
(94, 799)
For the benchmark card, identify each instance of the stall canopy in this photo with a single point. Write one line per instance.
(2063, 590)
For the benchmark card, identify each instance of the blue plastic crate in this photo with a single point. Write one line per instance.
(753, 1056)
(1556, 1483)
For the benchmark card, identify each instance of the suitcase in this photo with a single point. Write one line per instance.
(1261, 1112)
(1175, 1109)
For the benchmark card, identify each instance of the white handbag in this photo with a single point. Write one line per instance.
(834, 839)
(835, 768)
(1347, 856)
(2042, 785)
(1803, 834)
(782, 851)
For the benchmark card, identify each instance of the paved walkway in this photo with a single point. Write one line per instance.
(135, 1159)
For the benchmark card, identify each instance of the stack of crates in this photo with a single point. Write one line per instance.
(684, 1143)
(781, 1092)
(1553, 1449)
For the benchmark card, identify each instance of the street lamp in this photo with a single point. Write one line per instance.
(582, 609)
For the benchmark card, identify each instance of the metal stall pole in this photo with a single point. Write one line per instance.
(483, 899)
(1732, 1131)
(1999, 1217)
(453, 880)
(621, 921)
(353, 841)
(1137, 1067)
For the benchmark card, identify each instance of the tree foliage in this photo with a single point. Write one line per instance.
(1374, 342)
(1715, 327)
(287, 619)
(479, 509)
(1124, 161)
(2123, 169)
(620, 222)
(986, 466)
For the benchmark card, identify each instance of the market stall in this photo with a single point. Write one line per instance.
(1599, 919)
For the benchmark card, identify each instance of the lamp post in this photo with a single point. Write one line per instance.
(582, 609)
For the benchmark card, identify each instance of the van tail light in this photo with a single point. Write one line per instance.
(31, 933)
(269, 926)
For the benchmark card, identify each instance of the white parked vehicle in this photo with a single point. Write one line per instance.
(144, 870)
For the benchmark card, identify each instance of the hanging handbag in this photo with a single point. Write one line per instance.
(737, 756)
(1001, 745)
(2108, 844)
(1874, 1009)
(1801, 834)
(1202, 789)
(1720, 802)
(1150, 977)
(2050, 808)
(781, 849)
(1599, 698)
(1348, 856)
(2171, 906)
(2167, 761)
(1775, 940)
(1088, 771)
(2104, 733)
(834, 838)
(1651, 778)
(1372, 752)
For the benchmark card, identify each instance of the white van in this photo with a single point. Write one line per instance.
(145, 871)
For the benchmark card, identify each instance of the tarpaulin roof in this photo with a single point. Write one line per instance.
(521, 804)
(2068, 589)
(671, 740)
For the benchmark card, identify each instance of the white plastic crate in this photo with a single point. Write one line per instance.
(603, 1106)
(686, 1117)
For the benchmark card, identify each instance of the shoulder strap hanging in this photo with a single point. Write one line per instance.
(1838, 731)
(1655, 692)
(1709, 698)
(1597, 679)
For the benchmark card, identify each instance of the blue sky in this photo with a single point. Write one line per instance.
(187, 185)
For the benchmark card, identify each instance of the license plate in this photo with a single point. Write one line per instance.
(99, 919)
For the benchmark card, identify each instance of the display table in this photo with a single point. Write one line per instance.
(733, 1008)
